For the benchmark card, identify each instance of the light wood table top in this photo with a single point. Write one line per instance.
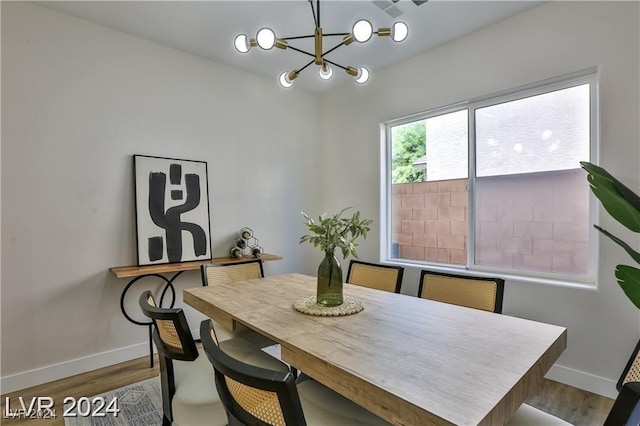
(409, 360)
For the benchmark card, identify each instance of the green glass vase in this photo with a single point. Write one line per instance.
(329, 292)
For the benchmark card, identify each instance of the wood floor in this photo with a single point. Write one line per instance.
(576, 406)
(86, 384)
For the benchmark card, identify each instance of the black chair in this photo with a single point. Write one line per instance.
(213, 273)
(260, 396)
(626, 409)
(188, 398)
(631, 372)
(225, 273)
(464, 290)
(374, 275)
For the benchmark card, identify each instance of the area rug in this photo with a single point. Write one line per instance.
(139, 404)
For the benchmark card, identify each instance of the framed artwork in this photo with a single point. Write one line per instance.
(172, 210)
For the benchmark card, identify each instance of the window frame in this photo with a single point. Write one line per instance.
(588, 76)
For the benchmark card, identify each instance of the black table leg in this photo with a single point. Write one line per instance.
(149, 324)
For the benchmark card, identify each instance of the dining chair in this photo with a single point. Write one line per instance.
(261, 396)
(374, 275)
(464, 290)
(229, 272)
(626, 408)
(225, 273)
(631, 372)
(624, 412)
(189, 396)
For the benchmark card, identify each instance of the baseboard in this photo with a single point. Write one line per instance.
(61, 370)
(581, 380)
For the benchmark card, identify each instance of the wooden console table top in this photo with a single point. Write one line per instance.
(136, 271)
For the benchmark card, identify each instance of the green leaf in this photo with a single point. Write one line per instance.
(629, 280)
(634, 254)
(626, 193)
(607, 189)
(335, 231)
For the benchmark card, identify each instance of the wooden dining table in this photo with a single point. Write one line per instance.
(411, 361)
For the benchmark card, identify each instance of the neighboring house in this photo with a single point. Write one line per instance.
(420, 163)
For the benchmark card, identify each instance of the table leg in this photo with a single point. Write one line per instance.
(149, 324)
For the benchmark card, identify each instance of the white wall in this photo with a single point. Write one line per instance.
(78, 100)
(551, 40)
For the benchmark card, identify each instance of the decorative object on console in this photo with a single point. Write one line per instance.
(329, 233)
(361, 32)
(172, 199)
(246, 245)
(624, 206)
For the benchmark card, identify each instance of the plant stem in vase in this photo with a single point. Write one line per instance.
(329, 289)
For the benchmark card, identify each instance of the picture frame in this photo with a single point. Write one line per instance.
(172, 210)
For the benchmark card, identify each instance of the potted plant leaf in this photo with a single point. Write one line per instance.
(624, 206)
(333, 232)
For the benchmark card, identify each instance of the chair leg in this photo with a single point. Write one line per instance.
(166, 421)
(233, 421)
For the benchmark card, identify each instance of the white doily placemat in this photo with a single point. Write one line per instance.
(307, 305)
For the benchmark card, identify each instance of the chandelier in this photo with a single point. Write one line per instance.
(361, 32)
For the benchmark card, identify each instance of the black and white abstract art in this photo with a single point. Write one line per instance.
(172, 210)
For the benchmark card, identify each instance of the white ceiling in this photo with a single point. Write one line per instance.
(207, 29)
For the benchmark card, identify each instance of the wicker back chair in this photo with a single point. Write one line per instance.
(198, 399)
(631, 372)
(373, 275)
(626, 408)
(251, 395)
(261, 396)
(472, 292)
(225, 273)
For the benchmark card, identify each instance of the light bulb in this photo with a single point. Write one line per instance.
(266, 38)
(363, 75)
(399, 31)
(284, 80)
(362, 30)
(242, 43)
(326, 72)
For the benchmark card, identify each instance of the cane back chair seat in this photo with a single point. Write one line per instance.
(472, 292)
(373, 275)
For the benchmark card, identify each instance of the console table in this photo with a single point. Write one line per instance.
(136, 273)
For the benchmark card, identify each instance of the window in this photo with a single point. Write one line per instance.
(495, 184)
